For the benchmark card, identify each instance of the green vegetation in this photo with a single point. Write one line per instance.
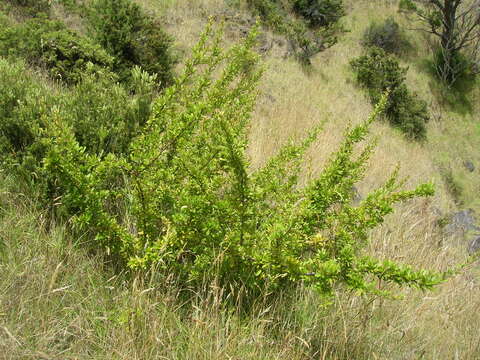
(133, 38)
(103, 116)
(198, 213)
(455, 24)
(319, 12)
(379, 72)
(47, 43)
(240, 206)
(33, 7)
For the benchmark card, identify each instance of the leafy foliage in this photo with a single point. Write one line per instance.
(197, 210)
(133, 38)
(379, 72)
(49, 44)
(103, 115)
(320, 12)
(386, 35)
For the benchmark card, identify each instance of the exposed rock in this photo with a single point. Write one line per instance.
(356, 197)
(463, 224)
(462, 221)
(474, 245)
(469, 165)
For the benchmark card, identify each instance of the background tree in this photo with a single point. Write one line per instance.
(456, 25)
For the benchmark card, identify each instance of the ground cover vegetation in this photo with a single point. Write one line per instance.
(132, 188)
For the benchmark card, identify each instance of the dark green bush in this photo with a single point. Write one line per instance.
(305, 39)
(49, 44)
(386, 35)
(133, 38)
(320, 12)
(379, 72)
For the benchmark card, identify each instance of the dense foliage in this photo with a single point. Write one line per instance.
(133, 38)
(379, 72)
(49, 44)
(103, 115)
(320, 12)
(185, 199)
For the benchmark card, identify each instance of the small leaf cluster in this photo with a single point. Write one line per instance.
(185, 199)
(379, 72)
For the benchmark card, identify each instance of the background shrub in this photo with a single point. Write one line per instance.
(379, 72)
(49, 44)
(386, 35)
(133, 38)
(320, 12)
(22, 103)
(103, 115)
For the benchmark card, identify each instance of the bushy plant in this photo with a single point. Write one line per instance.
(133, 38)
(386, 35)
(379, 72)
(49, 44)
(320, 12)
(197, 210)
(103, 115)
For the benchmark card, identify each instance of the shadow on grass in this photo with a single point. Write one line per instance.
(456, 97)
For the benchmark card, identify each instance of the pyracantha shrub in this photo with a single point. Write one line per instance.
(186, 200)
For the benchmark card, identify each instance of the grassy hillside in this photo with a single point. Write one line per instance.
(60, 301)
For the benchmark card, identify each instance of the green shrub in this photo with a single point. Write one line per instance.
(379, 72)
(49, 44)
(386, 35)
(133, 38)
(197, 210)
(320, 12)
(103, 115)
